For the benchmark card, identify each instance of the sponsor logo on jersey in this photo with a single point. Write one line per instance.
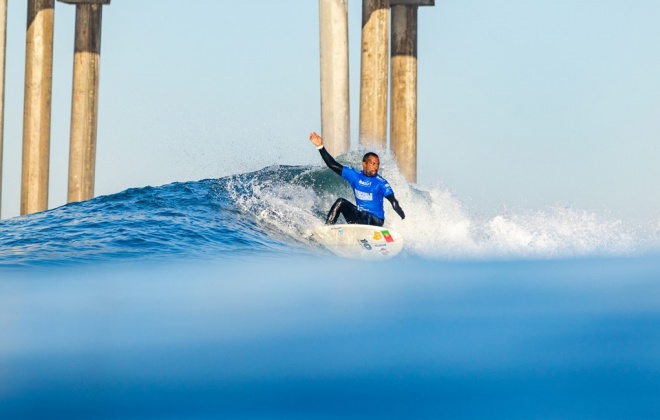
(364, 183)
(361, 195)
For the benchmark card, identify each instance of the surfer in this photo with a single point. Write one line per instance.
(369, 189)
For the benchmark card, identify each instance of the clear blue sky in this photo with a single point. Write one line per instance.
(522, 104)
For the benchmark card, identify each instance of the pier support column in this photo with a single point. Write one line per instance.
(36, 117)
(374, 73)
(84, 103)
(403, 101)
(403, 105)
(3, 55)
(335, 126)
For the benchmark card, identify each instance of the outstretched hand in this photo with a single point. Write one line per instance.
(316, 139)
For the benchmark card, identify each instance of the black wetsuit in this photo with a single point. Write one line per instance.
(351, 212)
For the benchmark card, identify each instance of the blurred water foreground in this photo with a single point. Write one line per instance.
(318, 337)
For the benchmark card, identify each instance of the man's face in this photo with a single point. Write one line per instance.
(370, 167)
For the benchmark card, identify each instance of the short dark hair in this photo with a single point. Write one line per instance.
(368, 155)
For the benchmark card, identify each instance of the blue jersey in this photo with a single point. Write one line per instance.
(369, 190)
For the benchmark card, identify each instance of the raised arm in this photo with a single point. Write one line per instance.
(329, 160)
(395, 205)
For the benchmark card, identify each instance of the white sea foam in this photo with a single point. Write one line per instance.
(286, 207)
(438, 225)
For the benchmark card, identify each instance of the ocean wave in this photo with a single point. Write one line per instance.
(268, 212)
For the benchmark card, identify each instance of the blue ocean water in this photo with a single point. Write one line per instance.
(207, 299)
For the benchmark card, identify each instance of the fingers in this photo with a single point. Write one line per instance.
(315, 138)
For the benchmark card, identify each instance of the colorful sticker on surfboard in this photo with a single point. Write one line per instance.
(383, 234)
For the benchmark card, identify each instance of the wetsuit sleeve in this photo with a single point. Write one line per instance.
(395, 205)
(330, 161)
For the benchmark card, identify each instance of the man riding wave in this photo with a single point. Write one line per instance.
(369, 188)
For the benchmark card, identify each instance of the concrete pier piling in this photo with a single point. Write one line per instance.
(37, 108)
(84, 104)
(335, 121)
(374, 73)
(403, 100)
(3, 55)
(403, 104)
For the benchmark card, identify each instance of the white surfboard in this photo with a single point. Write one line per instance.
(359, 241)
